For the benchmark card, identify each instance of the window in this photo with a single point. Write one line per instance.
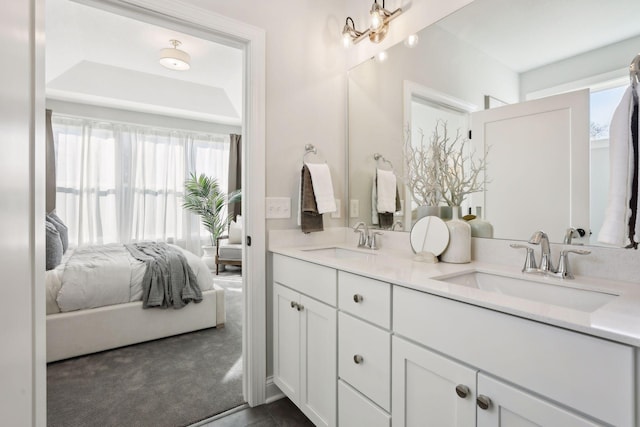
(123, 183)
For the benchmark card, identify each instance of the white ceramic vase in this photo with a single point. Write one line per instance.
(209, 256)
(423, 211)
(459, 249)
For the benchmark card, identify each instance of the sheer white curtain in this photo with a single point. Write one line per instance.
(124, 183)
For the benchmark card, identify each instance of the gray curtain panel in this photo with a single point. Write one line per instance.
(50, 166)
(235, 171)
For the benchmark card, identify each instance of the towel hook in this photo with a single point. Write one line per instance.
(377, 157)
(308, 149)
(634, 71)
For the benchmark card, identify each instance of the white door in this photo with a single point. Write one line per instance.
(511, 407)
(429, 390)
(318, 386)
(537, 165)
(286, 341)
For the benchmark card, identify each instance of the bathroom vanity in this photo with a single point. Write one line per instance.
(364, 338)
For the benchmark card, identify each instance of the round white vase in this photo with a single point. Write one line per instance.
(209, 256)
(459, 249)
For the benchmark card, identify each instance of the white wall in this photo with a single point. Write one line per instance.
(306, 89)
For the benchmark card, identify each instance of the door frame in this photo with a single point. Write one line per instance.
(252, 40)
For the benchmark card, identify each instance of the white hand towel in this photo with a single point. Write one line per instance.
(615, 227)
(386, 191)
(322, 187)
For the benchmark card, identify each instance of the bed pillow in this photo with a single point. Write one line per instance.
(54, 247)
(63, 230)
(235, 231)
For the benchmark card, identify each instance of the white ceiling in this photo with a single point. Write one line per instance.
(101, 58)
(526, 34)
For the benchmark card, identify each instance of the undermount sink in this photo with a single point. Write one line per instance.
(335, 252)
(536, 289)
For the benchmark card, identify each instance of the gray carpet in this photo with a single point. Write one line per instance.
(170, 382)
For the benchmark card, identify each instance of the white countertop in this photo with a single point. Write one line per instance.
(617, 320)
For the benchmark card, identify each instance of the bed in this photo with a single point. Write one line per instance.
(94, 303)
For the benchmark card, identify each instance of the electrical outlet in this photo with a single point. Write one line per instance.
(354, 208)
(336, 214)
(278, 207)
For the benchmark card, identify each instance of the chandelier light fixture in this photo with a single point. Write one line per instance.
(378, 25)
(174, 58)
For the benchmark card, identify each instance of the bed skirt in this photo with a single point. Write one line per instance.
(81, 332)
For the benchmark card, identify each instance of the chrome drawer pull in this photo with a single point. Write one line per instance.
(462, 391)
(357, 298)
(293, 304)
(358, 359)
(483, 402)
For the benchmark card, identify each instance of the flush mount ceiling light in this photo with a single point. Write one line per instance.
(174, 58)
(378, 28)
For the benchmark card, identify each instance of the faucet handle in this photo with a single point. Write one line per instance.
(373, 242)
(563, 264)
(530, 260)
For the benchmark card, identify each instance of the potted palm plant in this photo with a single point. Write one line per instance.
(204, 197)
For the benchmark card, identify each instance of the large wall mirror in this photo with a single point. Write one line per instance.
(493, 53)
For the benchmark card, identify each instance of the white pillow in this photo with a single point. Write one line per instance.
(235, 232)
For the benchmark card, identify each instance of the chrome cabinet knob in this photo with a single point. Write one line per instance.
(358, 359)
(462, 391)
(293, 304)
(299, 307)
(358, 298)
(483, 402)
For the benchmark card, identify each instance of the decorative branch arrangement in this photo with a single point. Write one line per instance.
(440, 170)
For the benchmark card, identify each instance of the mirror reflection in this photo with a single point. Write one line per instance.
(496, 53)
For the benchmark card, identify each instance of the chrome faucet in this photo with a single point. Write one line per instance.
(541, 238)
(367, 237)
(398, 223)
(546, 267)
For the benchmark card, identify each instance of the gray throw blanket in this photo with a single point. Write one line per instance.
(168, 280)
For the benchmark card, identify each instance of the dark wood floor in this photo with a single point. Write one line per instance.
(281, 413)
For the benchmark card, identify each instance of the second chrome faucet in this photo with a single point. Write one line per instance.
(546, 266)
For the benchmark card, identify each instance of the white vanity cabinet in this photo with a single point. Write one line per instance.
(364, 351)
(304, 336)
(430, 389)
(552, 368)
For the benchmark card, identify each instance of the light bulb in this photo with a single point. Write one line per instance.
(377, 17)
(411, 41)
(382, 56)
(346, 39)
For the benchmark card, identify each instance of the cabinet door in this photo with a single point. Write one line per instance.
(286, 341)
(512, 407)
(318, 385)
(424, 389)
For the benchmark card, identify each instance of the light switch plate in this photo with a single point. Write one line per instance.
(278, 207)
(354, 208)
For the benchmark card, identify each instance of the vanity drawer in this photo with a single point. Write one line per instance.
(356, 410)
(370, 375)
(314, 280)
(589, 374)
(365, 298)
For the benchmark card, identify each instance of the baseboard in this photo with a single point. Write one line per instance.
(272, 392)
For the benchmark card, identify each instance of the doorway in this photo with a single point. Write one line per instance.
(252, 127)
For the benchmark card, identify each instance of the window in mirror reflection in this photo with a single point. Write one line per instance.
(603, 104)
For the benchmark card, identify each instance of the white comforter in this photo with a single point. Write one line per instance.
(96, 276)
